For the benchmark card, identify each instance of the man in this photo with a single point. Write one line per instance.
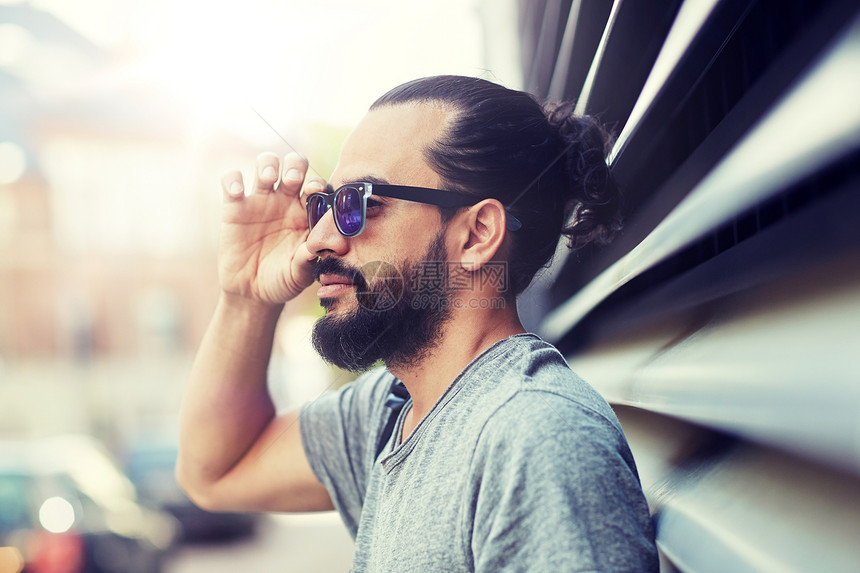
(501, 458)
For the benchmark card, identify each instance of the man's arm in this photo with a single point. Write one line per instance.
(235, 453)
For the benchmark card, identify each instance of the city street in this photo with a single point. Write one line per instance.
(303, 543)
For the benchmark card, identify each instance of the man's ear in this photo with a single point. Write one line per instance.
(485, 224)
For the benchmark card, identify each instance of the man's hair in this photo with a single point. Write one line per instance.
(545, 164)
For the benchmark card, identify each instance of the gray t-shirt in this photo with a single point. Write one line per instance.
(520, 466)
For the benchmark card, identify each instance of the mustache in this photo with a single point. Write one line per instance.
(333, 266)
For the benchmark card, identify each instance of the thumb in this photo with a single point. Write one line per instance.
(302, 268)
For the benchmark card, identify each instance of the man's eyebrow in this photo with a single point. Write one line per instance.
(373, 180)
(361, 179)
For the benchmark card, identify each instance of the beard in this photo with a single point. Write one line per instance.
(398, 318)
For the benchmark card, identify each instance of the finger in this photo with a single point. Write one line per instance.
(266, 173)
(232, 186)
(313, 185)
(303, 266)
(293, 170)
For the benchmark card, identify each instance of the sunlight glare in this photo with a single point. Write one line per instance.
(56, 515)
(13, 162)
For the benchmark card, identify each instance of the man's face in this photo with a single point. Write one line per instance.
(392, 321)
(401, 238)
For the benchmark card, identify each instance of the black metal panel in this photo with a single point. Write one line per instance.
(582, 33)
(744, 58)
(728, 312)
(630, 45)
(549, 32)
(762, 46)
(812, 220)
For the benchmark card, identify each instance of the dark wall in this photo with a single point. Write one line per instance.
(724, 324)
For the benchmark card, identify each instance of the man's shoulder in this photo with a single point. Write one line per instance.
(550, 432)
(535, 394)
(530, 371)
(517, 357)
(551, 410)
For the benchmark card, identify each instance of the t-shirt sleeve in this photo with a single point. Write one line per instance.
(556, 489)
(339, 432)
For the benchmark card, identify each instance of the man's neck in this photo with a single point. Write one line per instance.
(463, 339)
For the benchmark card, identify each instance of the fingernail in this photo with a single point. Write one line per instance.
(316, 185)
(293, 175)
(236, 189)
(269, 173)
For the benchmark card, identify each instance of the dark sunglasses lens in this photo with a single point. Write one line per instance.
(347, 209)
(316, 209)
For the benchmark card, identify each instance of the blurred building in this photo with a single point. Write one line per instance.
(117, 120)
(109, 201)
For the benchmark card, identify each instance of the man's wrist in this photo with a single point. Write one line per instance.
(242, 307)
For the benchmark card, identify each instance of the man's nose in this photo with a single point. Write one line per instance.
(325, 238)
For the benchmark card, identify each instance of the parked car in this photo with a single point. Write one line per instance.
(151, 467)
(65, 507)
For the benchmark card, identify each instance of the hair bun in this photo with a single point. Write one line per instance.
(595, 198)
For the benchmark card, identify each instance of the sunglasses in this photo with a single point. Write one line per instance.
(350, 204)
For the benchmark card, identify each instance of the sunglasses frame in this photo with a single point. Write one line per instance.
(437, 197)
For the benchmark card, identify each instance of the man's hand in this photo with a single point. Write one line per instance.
(263, 255)
(235, 452)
